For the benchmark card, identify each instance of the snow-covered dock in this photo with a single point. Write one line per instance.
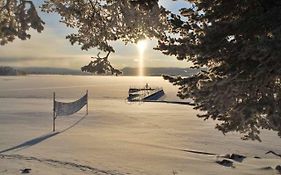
(146, 93)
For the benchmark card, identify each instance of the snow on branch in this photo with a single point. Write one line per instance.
(101, 65)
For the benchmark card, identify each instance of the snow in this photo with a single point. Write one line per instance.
(116, 137)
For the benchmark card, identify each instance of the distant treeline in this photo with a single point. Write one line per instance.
(127, 71)
(158, 71)
(9, 71)
(51, 71)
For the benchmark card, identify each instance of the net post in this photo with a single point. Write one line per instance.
(54, 112)
(87, 105)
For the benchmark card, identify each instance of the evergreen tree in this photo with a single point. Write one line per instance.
(239, 42)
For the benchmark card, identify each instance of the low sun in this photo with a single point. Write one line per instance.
(141, 45)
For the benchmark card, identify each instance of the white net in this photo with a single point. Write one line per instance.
(62, 109)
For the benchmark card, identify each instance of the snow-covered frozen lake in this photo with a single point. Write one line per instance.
(116, 137)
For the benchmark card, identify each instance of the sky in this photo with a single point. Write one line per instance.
(51, 49)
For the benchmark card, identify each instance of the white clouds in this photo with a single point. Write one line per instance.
(52, 50)
(45, 49)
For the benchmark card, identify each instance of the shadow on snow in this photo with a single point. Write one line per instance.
(39, 139)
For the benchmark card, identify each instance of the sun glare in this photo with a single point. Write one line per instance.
(141, 48)
(141, 45)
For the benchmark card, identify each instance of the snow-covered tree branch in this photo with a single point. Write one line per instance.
(99, 22)
(239, 43)
(16, 18)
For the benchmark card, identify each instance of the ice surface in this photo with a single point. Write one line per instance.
(116, 137)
